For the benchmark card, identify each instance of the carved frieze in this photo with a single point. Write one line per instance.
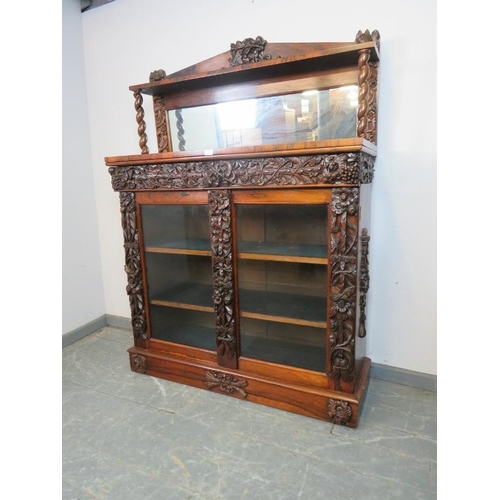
(223, 275)
(226, 383)
(340, 168)
(342, 281)
(138, 363)
(133, 263)
(364, 282)
(339, 411)
(248, 51)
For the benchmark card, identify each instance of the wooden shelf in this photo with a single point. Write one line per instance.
(263, 250)
(182, 247)
(192, 296)
(266, 306)
(250, 250)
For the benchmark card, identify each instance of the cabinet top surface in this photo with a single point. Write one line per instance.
(351, 145)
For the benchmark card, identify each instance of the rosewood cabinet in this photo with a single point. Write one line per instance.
(246, 235)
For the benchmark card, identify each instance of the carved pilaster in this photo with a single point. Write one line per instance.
(226, 383)
(363, 91)
(133, 264)
(342, 281)
(138, 363)
(223, 277)
(339, 411)
(364, 282)
(161, 123)
(367, 87)
(139, 117)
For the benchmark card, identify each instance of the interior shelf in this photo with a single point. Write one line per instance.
(271, 306)
(182, 247)
(252, 250)
(283, 252)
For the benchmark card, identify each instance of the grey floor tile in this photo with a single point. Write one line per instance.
(128, 436)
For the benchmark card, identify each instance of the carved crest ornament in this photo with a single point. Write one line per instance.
(250, 50)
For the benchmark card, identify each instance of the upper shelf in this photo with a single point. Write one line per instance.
(284, 59)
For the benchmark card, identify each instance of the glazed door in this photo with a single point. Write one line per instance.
(282, 265)
(178, 270)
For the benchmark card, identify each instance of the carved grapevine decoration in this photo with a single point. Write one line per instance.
(339, 411)
(364, 282)
(133, 263)
(226, 383)
(223, 278)
(337, 168)
(342, 280)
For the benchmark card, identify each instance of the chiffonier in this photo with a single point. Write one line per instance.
(246, 235)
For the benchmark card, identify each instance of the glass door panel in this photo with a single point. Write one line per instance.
(282, 279)
(179, 273)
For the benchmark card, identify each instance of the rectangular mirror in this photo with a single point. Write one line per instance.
(314, 115)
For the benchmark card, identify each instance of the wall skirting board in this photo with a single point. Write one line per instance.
(383, 372)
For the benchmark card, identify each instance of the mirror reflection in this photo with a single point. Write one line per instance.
(307, 116)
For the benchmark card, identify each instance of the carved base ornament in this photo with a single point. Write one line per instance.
(339, 411)
(139, 363)
(226, 383)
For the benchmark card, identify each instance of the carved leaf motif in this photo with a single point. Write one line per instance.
(226, 383)
(342, 277)
(364, 282)
(133, 263)
(338, 168)
(139, 363)
(222, 272)
(248, 51)
(339, 411)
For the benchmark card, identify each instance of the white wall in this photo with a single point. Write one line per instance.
(125, 40)
(82, 287)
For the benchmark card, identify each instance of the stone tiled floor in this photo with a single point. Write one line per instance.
(130, 436)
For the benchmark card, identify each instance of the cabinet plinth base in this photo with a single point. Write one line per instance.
(308, 400)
